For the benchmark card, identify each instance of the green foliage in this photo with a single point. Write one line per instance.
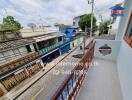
(9, 23)
(85, 21)
(103, 27)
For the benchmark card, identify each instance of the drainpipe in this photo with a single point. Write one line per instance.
(84, 34)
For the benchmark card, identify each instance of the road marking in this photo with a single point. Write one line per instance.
(33, 98)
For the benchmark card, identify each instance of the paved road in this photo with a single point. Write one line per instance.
(47, 85)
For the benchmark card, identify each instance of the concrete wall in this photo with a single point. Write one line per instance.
(124, 60)
(76, 21)
(124, 20)
(115, 45)
(124, 63)
(76, 42)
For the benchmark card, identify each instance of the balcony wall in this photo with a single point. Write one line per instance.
(114, 45)
(124, 64)
(50, 48)
(71, 85)
(76, 42)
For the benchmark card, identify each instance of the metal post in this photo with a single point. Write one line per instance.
(84, 34)
(92, 18)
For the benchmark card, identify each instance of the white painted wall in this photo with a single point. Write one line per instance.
(124, 20)
(115, 45)
(124, 64)
(115, 26)
(76, 20)
(32, 47)
(121, 52)
(124, 60)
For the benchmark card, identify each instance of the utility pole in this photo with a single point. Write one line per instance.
(100, 16)
(41, 21)
(84, 40)
(92, 14)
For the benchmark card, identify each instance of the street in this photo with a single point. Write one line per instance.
(46, 86)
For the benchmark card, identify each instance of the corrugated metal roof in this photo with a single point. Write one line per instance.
(47, 37)
(14, 44)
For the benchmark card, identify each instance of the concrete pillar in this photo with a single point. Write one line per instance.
(36, 46)
(60, 51)
(32, 47)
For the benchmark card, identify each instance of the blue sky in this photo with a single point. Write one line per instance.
(53, 11)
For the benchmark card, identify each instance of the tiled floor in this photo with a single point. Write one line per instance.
(101, 82)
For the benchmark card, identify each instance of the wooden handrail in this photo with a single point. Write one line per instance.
(83, 60)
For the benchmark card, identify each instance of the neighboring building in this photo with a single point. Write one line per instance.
(9, 35)
(69, 31)
(49, 43)
(76, 20)
(15, 55)
(23, 54)
(113, 27)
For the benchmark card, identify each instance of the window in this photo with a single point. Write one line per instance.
(128, 33)
(59, 39)
(105, 50)
(67, 32)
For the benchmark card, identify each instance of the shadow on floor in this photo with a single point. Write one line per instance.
(78, 56)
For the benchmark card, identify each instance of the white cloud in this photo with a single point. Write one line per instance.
(54, 11)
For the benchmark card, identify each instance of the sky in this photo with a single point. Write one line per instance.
(50, 12)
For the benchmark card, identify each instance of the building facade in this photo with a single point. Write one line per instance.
(15, 55)
(76, 20)
(22, 56)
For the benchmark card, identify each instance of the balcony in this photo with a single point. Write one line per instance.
(52, 47)
(95, 77)
(101, 82)
(71, 85)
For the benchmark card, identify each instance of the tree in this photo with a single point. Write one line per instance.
(103, 27)
(9, 23)
(85, 21)
(32, 26)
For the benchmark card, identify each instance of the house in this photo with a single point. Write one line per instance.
(15, 54)
(23, 54)
(68, 31)
(76, 20)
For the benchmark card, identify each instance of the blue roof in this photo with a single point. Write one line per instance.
(117, 7)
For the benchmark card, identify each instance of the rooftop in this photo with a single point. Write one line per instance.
(15, 44)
